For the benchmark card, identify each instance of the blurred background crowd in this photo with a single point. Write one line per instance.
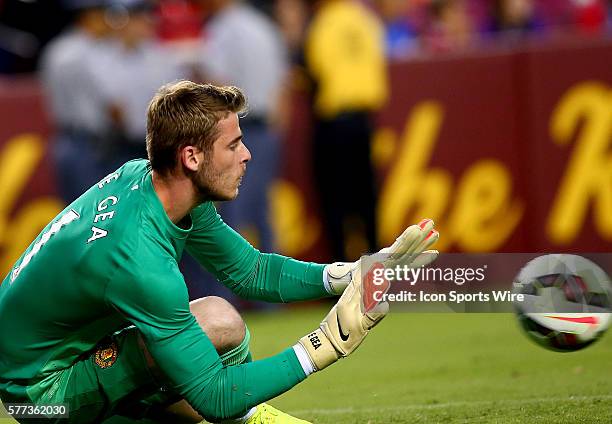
(100, 61)
(412, 26)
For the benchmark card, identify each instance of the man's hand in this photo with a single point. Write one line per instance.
(344, 328)
(408, 249)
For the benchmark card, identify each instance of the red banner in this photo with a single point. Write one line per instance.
(28, 198)
(507, 151)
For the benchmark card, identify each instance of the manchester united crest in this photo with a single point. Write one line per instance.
(106, 355)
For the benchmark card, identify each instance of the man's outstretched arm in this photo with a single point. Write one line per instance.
(244, 269)
(276, 278)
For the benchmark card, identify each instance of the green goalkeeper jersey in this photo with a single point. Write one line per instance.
(109, 260)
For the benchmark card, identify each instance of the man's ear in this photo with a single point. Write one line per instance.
(190, 157)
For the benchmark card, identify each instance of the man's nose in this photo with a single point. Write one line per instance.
(246, 155)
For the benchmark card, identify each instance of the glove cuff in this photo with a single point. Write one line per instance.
(319, 349)
(337, 276)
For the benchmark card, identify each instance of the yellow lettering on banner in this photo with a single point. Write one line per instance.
(384, 144)
(24, 228)
(588, 178)
(408, 185)
(483, 217)
(18, 161)
(294, 230)
(478, 215)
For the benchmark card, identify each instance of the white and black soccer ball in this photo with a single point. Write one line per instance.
(567, 301)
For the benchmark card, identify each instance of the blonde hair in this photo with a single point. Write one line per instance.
(185, 113)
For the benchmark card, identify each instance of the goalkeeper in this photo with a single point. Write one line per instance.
(95, 313)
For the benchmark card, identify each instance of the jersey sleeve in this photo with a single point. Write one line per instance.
(244, 269)
(156, 302)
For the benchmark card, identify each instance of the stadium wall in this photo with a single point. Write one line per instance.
(508, 150)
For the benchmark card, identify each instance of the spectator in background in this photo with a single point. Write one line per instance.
(590, 16)
(245, 48)
(179, 21)
(344, 54)
(450, 28)
(292, 19)
(514, 19)
(401, 38)
(136, 66)
(71, 69)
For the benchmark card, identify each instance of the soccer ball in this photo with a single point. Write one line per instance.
(567, 301)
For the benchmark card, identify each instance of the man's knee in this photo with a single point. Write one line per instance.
(220, 321)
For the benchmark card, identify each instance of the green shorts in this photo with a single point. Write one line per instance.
(113, 379)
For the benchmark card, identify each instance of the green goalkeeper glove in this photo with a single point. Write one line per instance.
(344, 328)
(408, 249)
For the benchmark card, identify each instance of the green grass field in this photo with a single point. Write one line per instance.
(443, 368)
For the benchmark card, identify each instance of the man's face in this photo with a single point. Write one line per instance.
(224, 165)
